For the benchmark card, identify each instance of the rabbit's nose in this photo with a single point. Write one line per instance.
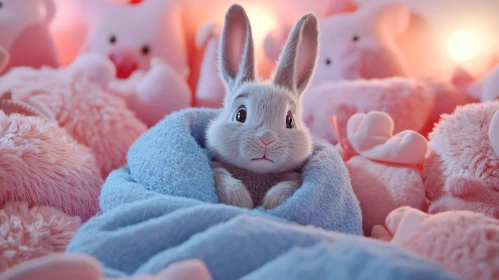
(268, 137)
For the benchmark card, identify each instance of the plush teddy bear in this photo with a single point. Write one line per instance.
(356, 45)
(384, 168)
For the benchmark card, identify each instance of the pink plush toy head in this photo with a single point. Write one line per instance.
(361, 45)
(24, 32)
(461, 171)
(130, 34)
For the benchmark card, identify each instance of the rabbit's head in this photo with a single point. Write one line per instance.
(260, 127)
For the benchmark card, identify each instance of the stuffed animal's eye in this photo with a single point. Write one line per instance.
(145, 50)
(290, 122)
(328, 61)
(241, 114)
(355, 38)
(1, 4)
(113, 39)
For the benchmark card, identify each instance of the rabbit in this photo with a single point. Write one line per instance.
(259, 142)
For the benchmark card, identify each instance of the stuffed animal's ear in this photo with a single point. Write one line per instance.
(494, 132)
(237, 56)
(205, 33)
(50, 10)
(4, 59)
(393, 17)
(297, 63)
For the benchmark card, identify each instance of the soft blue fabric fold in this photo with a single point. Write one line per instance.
(162, 208)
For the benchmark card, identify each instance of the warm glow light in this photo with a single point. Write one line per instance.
(464, 44)
(263, 20)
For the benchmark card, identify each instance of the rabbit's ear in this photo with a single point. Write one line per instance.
(237, 58)
(297, 63)
(494, 132)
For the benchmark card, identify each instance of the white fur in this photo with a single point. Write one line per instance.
(236, 145)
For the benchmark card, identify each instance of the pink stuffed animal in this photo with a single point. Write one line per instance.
(24, 25)
(465, 243)
(414, 104)
(210, 91)
(358, 45)
(130, 34)
(89, 113)
(461, 171)
(383, 167)
(84, 267)
(408, 102)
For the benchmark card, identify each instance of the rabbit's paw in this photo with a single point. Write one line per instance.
(278, 193)
(232, 191)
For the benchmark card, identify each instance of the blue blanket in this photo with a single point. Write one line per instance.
(162, 208)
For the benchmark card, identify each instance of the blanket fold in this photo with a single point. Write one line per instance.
(162, 208)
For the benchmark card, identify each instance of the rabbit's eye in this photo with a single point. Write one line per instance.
(145, 50)
(290, 122)
(113, 39)
(328, 61)
(1, 4)
(355, 38)
(241, 114)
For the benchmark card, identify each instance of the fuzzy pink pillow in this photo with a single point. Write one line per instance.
(465, 243)
(28, 233)
(42, 165)
(91, 115)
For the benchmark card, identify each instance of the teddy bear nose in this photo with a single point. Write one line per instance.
(267, 137)
(125, 59)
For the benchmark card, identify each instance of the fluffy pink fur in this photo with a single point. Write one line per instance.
(83, 267)
(382, 166)
(467, 193)
(31, 233)
(42, 165)
(465, 243)
(91, 115)
(460, 145)
(408, 102)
